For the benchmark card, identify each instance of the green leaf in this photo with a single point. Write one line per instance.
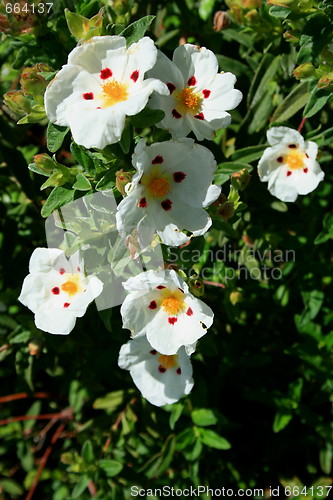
(325, 458)
(213, 440)
(206, 8)
(106, 182)
(279, 11)
(125, 141)
(11, 487)
(135, 31)
(59, 196)
(176, 412)
(232, 167)
(147, 118)
(87, 452)
(203, 417)
(262, 78)
(249, 154)
(110, 467)
(294, 101)
(55, 136)
(110, 401)
(318, 99)
(56, 179)
(80, 486)
(281, 420)
(82, 183)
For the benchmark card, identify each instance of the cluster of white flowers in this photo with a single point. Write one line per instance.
(102, 83)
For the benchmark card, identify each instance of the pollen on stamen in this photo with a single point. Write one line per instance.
(179, 176)
(166, 204)
(206, 93)
(158, 159)
(55, 290)
(105, 73)
(171, 87)
(88, 96)
(191, 81)
(179, 371)
(289, 173)
(143, 203)
(134, 76)
(66, 304)
(152, 305)
(175, 114)
(172, 321)
(189, 312)
(305, 170)
(153, 352)
(161, 369)
(199, 116)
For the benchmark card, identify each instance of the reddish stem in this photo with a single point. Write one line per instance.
(22, 395)
(67, 413)
(213, 283)
(301, 125)
(92, 488)
(44, 459)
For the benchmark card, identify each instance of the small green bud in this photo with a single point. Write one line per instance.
(221, 20)
(304, 71)
(236, 296)
(240, 180)
(45, 163)
(326, 81)
(17, 102)
(83, 28)
(226, 211)
(122, 179)
(196, 286)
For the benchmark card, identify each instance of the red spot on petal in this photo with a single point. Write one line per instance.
(289, 173)
(180, 290)
(292, 146)
(157, 159)
(306, 154)
(172, 321)
(105, 73)
(280, 159)
(134, 76)
(206, 93)
(171, 87)
(179, 371)
(66, 304)
(161, 369)
(305, 170)
(62, 270)
(191, 81)
(166, 204)
(160, 287)
(55, 290)
(189, 312)
(152, 305)
(79, 269)
(175, 114)
(200, 116)
(143, 203)
(88, 96)
(179, 176)
(98, 107)
(153, 351)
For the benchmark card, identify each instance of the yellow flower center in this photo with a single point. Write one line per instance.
(173, 301)
(112, 93)
(156, 182)
(295, 159)
(168, 361)
(188, 101)
(72, 285)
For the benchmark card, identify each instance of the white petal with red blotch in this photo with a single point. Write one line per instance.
(280, 185)
(139, 95)
(149, 280)
(195, 61)
(166, 71)
(36, 288)
(58, 322)
(158, 388)
(42, 259)
(279, 136)
(90, 54)
(223, 96)
(141, 58)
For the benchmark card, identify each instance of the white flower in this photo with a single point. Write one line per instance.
(169, 190)
(289, 165)
(160, 306)
(161, 379)
(199, 97)
(57, 290)
(102, 82)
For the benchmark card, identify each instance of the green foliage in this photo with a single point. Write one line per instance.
(260, 413)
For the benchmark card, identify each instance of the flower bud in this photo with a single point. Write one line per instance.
(292, 36)
(221, 20)
(196, 286)
(226, 211)
(236, 296)
(240, 180)
(304, 71)
(326, 80)
(17, 102)
(45, 163)
(35, 347)
(122, 179)
(83, 28)
(32, 83)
